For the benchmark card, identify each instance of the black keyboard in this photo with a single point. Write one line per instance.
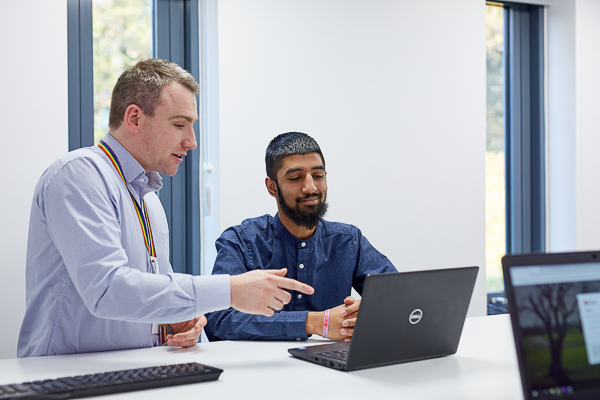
(111, 382)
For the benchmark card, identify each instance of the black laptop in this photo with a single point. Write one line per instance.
(554, 301)
(403, 317)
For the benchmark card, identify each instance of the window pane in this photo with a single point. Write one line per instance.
(122, 36)
(495, 194)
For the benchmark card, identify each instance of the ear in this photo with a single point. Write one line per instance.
(133, 118)
(271, 186)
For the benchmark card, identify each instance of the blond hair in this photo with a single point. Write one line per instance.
(142, 83)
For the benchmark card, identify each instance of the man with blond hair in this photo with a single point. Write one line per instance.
(98, 274)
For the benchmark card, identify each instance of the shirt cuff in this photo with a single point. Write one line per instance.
(295, 325)
(213, 293)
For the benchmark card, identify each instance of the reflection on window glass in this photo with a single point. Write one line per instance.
(122, 34)
(495, 196)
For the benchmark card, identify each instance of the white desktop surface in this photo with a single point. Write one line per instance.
(484, 367)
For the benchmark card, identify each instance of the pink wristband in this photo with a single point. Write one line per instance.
(326, 323)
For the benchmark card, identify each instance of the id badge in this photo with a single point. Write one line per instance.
(154, 265)
(156, 328)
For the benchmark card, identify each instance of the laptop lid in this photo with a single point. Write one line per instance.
(406, 317)
(554, 301)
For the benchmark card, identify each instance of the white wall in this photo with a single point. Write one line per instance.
(561, 129)
(588, 126)
(573, 133)
(33, 111)
(393, 91)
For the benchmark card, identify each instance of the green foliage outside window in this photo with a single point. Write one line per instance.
(495, 195)
(122, 35)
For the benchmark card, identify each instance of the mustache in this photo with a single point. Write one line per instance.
(318, 195)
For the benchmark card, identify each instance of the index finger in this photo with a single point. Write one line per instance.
(351, 309)
(291, 284)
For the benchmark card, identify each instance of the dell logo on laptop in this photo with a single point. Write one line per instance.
(415, 316)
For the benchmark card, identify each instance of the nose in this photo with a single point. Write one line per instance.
(189, 142)
(309, 184)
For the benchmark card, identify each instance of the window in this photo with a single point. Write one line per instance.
(170, 27)
(122, 35)
(515, 132)
(495, 190)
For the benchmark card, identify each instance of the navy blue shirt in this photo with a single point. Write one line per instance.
(335, 259)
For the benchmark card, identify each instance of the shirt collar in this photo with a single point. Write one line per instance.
(132, 170)
(293, 239)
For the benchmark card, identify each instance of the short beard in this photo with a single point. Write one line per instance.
(306, 219)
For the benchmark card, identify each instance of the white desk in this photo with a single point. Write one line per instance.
(485, 367)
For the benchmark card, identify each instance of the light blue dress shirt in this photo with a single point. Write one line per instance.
(88, 276)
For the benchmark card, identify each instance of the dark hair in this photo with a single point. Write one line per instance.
(288, 144)
(142, 83)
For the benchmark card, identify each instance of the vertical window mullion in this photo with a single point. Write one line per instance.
(525, 130)
(176, 35)
(192, 166)
(81, 73)
(538, 129)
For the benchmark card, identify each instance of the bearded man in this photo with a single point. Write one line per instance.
(331, 257)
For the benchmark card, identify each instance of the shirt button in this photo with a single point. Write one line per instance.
(141, 180)
(299, 296)
(303, 244)
(301, 266)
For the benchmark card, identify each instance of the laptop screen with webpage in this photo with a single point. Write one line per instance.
(554, 301)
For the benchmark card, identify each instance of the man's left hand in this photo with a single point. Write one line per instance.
(349, 315)
(186, 334)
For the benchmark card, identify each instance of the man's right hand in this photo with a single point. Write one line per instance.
(262, 291)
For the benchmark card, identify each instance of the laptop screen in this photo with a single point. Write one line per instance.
(556, 318)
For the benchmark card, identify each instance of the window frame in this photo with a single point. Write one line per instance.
(524, 133)
(176, 39)
(81, 73)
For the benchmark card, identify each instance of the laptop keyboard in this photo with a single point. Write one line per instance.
(111, 382)
(341, 355)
